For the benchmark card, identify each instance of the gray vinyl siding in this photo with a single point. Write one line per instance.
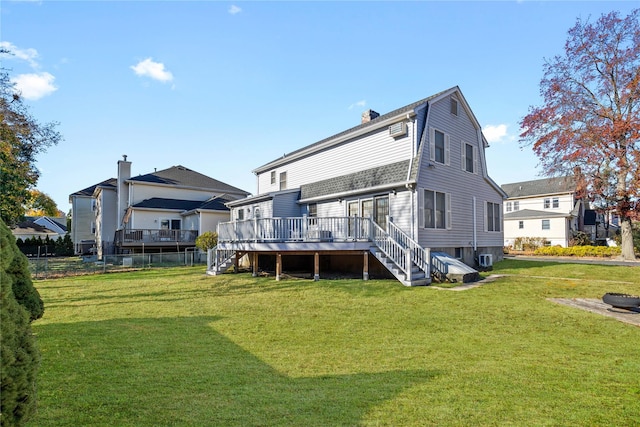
(284, 205)
(400, 209)
(461, 185)
(371, 150)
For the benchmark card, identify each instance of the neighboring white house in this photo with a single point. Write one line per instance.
(163, 210)
(43, 227)
(546, 209)
(392, 191)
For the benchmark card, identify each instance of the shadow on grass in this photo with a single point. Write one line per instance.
(180, 371)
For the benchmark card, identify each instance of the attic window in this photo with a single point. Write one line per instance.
(454, 106)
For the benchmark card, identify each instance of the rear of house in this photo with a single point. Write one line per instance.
(397, 194)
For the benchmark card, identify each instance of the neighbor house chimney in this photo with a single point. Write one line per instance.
(369, 115)
(124, 173)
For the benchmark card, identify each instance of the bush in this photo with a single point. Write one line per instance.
(19, 356)
(580, 238)
(579, 251)
(529, 243)
(207, 240)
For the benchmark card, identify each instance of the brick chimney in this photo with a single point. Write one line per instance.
(369, 115)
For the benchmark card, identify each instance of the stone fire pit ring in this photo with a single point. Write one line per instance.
(625, 301)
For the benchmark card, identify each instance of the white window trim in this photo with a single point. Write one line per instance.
(474, 150)
(432, 146)
(448, 218)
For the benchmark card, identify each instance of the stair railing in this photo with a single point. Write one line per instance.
(402, 249)
(217, 257)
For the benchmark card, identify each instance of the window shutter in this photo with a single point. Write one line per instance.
(432, 144)
(421, 207)
(447, 150)
(486, 218)
(463, 155)
(448, 207)
(475, 159)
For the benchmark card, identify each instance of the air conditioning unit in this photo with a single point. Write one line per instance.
(398, 129)
(485, 260)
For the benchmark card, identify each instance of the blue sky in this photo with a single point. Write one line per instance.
(225, 87)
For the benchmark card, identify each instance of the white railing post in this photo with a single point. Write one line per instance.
(407, 256)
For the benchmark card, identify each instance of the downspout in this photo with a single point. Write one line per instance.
(475, 230)
(407, 185)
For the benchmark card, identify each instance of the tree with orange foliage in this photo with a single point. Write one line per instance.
(590, 118)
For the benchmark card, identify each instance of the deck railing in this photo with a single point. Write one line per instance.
(299, 229)
(150, 236)
(393, 242)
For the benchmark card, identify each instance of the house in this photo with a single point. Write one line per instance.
(43, 227)
(397, 194)
(83, 223)
(547, 210)
(160, 211)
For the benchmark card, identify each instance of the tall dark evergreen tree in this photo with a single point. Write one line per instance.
(19, 355)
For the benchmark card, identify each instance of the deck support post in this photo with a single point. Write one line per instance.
(316, 266)
(236, 262)
(254, 264)
(365, 264)
(278, 265)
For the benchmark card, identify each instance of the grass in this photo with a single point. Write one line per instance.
(178, 348)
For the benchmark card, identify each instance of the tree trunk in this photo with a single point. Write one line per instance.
(627, 239)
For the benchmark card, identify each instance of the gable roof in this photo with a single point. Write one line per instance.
(363, 127)
(533, 214)
(540, 187)
(30, 227)
(216, 204)
(185, 177)
(88, 192)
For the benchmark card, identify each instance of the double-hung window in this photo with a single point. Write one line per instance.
(273, 177)
(546, 224)
(436, 210)
(469, 158)
(492, 217)
(283, 180)
(439, 150)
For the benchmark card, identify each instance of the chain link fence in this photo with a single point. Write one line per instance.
(51, 267)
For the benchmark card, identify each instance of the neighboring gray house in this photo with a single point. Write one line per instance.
(547, 209)
(160, 211)
(396, 192)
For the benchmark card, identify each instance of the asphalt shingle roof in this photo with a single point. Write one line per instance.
(182, 176)
(539, 187)
(111, 182)
(387, 174)
(183, 205)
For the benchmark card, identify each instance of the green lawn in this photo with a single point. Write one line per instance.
(178, 348)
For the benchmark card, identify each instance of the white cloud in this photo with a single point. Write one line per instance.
(358, 104)
(151, 69)
(35, 86)
(233, 9)
(495, 133)
(28, 55)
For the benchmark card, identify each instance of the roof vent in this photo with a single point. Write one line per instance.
(398, 129)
